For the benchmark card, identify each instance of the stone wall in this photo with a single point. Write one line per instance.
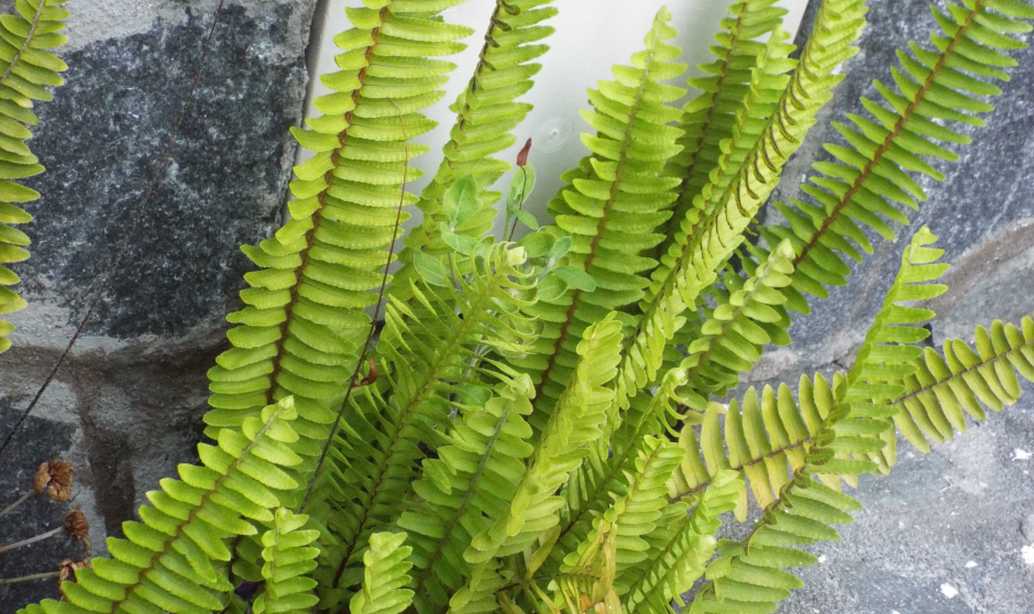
(168, 148)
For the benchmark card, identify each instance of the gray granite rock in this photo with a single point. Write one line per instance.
(947, 532)
(167, 148)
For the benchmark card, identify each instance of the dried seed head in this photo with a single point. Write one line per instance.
(76, 525)
(55, 479)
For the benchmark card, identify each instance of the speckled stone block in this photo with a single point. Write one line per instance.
(167, 148)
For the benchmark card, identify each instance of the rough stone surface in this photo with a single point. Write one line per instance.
(167, 148)
(944, 533)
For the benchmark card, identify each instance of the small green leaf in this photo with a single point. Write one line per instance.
(527, 218)
(461, 200)
(431, 269)
(551, 288)
(559, 248)
(461, 244)
(521, 187)
(537, 244)
(576, 278)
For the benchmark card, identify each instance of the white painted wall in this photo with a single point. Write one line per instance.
(591, 36)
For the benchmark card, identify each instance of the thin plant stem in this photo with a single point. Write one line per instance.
(31, 540)
(43, 575)
(378, 306)
(22, 499)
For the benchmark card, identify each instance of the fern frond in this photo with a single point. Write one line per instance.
(386, 577)
(304, 321)
(957, 381)
(752, 576)
(612, 210)
(28, 69)
(428, 351)
(604, 474)
(849, 440)
(748, 316)
(487, 112)
(868, 186)
(717, 113)
(635, 514)
(769, 436)
(693, 260)
(573, 429)
(480, 594)
(472, 480)
(680, 547)
(170, 559)
(761, 435)
(767, 85)
(653, 412)
(290, 557)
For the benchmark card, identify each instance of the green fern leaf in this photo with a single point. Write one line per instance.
(170, 559)
(868, 186)
(481, 594)
(473, 480)
(769, 436)
(386, 576)
(712, 116)
(959, 381)
(487, 113)
(693, 260)
(28, 69)
(290, 557)
(680, 547)
(612, 210)
(304, 322)
(635, 514)
(653, 412)
(573, 429)
(428, 353)
(768, 83)
(848, 440)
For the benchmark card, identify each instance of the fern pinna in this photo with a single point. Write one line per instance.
(539, 425)
(28, 69)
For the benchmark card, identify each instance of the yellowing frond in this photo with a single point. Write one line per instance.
(305, 320)
(289, 553)
(172, 559)
(29, 68)
(849, 438)
(386, 576)
(958, 381)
